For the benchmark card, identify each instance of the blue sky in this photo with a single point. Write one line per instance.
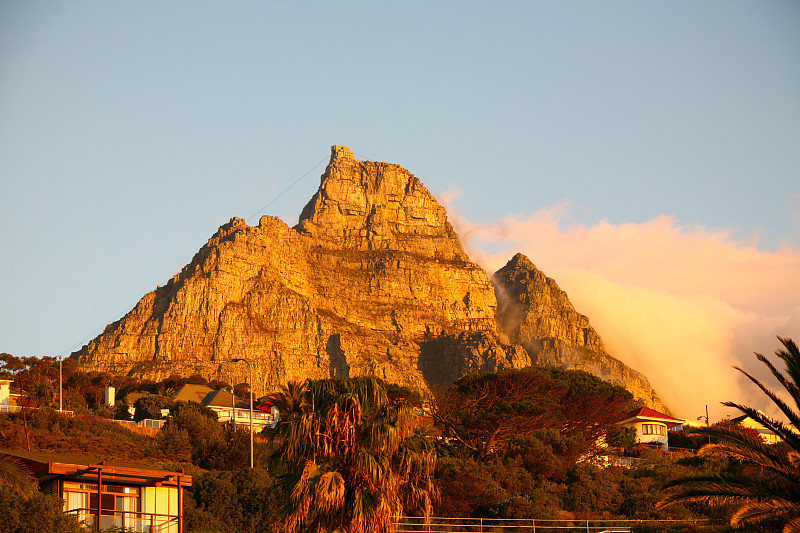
(129, 131)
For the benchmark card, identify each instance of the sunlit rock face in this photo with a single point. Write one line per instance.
(534, 312)
(372, 281)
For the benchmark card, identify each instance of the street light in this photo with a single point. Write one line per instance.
(250, 370)
(60, 385)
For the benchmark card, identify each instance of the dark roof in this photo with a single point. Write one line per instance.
(192, 393)
(46, 465)
(222, 398)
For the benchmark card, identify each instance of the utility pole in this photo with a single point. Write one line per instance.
(233, 409)
(60, 385)
(250, 369)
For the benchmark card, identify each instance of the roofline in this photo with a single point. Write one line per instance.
(41, 468)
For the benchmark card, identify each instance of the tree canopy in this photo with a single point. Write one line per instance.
(354, 461)
(766, 486)
(486, 412)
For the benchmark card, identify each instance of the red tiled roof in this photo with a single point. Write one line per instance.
(646, 412)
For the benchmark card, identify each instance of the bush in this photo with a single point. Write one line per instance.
(39, 512)
(150, 407)
(232, 502)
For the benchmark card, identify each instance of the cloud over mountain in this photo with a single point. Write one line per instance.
(681, 304)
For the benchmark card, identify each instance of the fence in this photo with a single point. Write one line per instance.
(18, 408)
(413, 524)
(129, 520)
(146, 423)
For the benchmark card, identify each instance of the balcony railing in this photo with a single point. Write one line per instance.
(139, 522)
(412, 524)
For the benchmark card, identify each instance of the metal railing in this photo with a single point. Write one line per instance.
(18, 408)
(139, 522)
(413, 524)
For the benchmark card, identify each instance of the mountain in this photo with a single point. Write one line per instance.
(534, 312)
(372, 280)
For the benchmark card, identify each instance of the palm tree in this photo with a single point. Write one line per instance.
(15, 474)
(291, 399)
(355, 462)
(767, 488)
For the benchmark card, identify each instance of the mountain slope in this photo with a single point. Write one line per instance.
(534, 312)
(371, 278)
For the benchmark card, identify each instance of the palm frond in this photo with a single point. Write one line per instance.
(354, 460)
(768, 486)
(15, 474)
(786, 434)
(756, 511)
(330, 491)
(792, 526)
(790, 413)
(744, 447)
(791, 356)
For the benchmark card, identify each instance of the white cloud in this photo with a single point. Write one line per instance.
(681, 304)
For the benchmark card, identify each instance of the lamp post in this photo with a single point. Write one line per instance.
(60, 385)
(250, 370)
(706, 417)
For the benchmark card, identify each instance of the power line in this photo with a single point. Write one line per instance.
(118, 316)
(295, 182)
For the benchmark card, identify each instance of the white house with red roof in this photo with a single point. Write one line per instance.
(651, 426)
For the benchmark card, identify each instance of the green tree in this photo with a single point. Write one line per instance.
(150, 407)
(486, 412)
(36, 512)
(239, 501)
(766, 488)
(355, 462)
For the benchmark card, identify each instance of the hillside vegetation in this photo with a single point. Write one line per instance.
(522, 443)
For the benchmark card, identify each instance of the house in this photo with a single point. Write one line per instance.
(8, 401)
(230, 407)
(222, 401)
(767, 435)
(5, 394)
(651, 426)
(109, 494)
(227, 406)
(191, 392)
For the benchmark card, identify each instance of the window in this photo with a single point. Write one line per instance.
(654, 429)
(119, 504)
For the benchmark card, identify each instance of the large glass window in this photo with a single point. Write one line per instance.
(119, 504)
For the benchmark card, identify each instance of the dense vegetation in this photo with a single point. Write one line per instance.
(529, 443)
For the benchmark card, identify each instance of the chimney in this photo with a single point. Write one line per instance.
(110, 399)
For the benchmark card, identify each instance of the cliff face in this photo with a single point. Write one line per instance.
(534, 312)
(372, 280)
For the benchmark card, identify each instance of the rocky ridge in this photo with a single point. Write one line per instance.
(372, 276)
(534, 312)
(372, 280)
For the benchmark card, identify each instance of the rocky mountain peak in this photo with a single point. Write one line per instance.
(371, 281)
(520, 262)
(377, 206)
(341, 154)
(534, 312)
